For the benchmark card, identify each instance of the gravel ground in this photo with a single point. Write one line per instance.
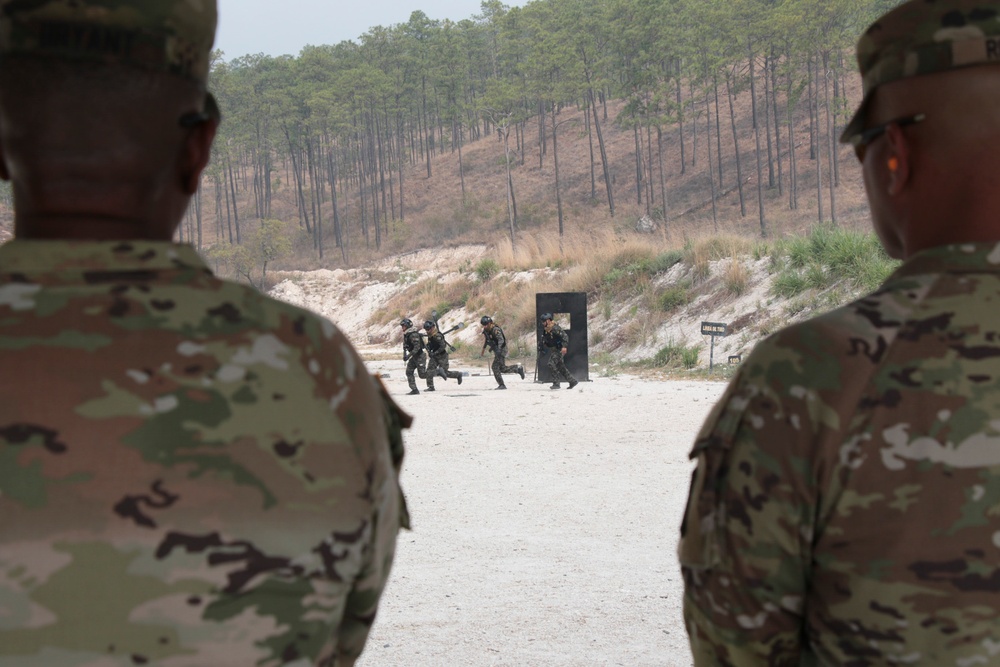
(545, 524)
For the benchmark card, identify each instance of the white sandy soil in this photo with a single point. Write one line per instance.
(545, 523)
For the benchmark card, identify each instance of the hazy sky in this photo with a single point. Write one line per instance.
(284, 27)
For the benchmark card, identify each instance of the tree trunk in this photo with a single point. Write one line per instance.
(793, 179)
(756, 137)
(555, 164)
(236, 216)
(736, 145)
(694, 125)
(604, 156)
(303, 214)
(663, 177)
(777, 125)
(711, 168)
(815, 149)
(680, 116)
(590, 139)
(638, 164)
(812, 115)
(718, 127)
(461, 165)
(829, 135)
(650, 199)
(542, 141)
(338, 232)
(767, 124)
(511, 220)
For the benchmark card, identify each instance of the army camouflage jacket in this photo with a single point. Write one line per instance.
(555, 338)
(495, 340)
(844, 509)
(191, 473)
(437, 346)
(413, 342)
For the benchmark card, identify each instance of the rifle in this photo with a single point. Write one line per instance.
(457, 327)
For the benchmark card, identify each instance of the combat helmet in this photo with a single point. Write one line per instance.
(546, 316)
(406, 323)
(429, 324)
(485, 319)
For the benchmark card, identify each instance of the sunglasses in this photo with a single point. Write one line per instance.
(865, 137)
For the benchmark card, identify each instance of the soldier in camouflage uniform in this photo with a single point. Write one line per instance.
(437, 352)
(556, 341)
(413, 354)
(497, 342)
(844, 506)
(191, 474)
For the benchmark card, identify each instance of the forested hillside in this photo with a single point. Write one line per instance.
(715, 115)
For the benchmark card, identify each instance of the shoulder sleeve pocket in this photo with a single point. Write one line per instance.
(699, 546)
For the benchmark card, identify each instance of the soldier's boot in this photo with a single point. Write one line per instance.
(502, 386)
(459, 378)
(414, 391)
(554, 385)
(572, 383)
(520, 371)
(441, 373)
(429, 389)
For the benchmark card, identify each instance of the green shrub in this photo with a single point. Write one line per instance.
(799, 251)
(665, 261)
(817, 277)
(675, 356)
(486, 269)
(689, 357)
(674, 296)
(788, 284)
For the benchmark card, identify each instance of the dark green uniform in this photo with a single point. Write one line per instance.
(555, 340)
(416, 359)
(497, 342)
(437, 350)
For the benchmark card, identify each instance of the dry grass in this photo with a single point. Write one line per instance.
(736, 278)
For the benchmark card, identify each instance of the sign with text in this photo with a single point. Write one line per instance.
(714, 329)
(735, 358)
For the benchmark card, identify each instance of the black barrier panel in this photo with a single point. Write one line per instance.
(569, 310)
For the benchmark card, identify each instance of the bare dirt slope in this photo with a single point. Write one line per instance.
(351, 297)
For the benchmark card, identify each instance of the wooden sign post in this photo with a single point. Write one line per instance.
(713, 329)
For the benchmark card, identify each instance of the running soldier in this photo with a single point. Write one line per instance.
(413, 354)
(497, 342)
(437, 350)
(557, 341)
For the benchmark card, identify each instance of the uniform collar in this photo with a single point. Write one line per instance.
(34, 256)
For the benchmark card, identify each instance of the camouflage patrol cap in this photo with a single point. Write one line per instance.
(172, 36)
(923, 37)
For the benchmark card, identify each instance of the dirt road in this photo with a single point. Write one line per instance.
(545, 524)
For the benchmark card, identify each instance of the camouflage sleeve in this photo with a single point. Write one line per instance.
(563, 339)
(389, 515)
(499, 342)
(746, 540)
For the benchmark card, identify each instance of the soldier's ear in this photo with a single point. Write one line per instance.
(197, 151)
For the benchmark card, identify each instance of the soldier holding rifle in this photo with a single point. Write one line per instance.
(437, 351)
(413, 354)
